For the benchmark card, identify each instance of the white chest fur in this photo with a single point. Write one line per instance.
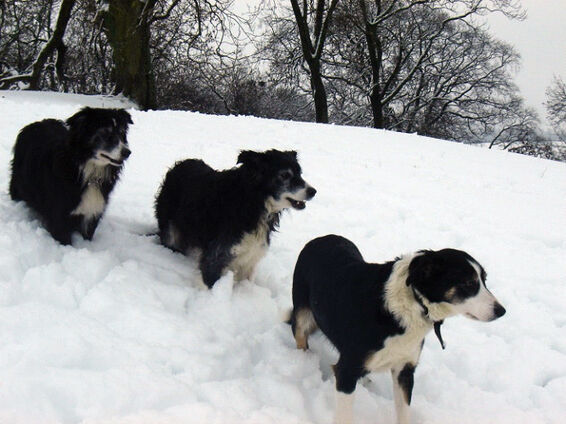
(400, 301)
(399, 350)
(92, 203)
(249, 251)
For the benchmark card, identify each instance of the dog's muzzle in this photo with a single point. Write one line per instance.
(308, 194)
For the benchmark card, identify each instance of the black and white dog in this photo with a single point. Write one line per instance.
(65, 171)
(226, 217)
(377, 315)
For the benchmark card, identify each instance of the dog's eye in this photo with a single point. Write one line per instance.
(469, 286)
(285, 175)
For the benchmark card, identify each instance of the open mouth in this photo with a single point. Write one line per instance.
(111, 160)
(296, 204)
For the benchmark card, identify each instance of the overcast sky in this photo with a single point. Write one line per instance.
(541, 41)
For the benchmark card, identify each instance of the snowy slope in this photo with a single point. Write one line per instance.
(117, 331)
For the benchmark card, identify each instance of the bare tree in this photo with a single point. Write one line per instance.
(400, 37)
(53, 44)
(433, 72)
(192, 59)
(279, 51)
(195, 49)
(556, 106)
(20, 32)
(88, 55)
(24, 28)
(157, 43)
(319, 15)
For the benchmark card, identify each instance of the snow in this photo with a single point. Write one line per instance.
(117, 330)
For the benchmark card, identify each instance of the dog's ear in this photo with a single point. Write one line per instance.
(124, 117)
(77, 122)
(423, 269)
(292, 154)
(249, 157)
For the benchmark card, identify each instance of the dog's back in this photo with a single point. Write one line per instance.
(39, 152)
(181, 198)
(320, 265)
(334, 284)
(197, 204)
(182, 179)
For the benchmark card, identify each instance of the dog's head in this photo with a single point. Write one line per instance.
(455, 279)
(101, 135)
(279, 174)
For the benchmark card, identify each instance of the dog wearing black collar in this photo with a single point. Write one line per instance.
(377, 315)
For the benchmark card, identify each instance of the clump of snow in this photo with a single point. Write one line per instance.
(117, 330)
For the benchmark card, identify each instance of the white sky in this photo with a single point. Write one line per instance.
(541, 41)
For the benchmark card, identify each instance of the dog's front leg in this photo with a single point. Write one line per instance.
(402, 390)
(213, 261)
(347, 372)
(343, 413)
(60, 232)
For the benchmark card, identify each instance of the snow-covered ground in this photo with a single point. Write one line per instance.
(117, 331)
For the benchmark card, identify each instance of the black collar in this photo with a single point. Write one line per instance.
(436, 324)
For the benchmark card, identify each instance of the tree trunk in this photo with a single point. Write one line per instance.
(319, 94)
(127, 26)
(312, 52)
(375, 59)
(376, 108)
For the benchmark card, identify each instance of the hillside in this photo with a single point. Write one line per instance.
(117, 331)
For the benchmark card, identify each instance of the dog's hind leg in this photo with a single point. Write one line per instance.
(303, 324)
(171, 237)
(403, 380)
(302, 318)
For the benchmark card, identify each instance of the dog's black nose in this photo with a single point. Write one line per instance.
(498, 310)
(311, 191)
(126, 153)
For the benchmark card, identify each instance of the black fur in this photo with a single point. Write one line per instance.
(212, 210)
(335, 290)
(50, 157)
(332, 279)
(406, 380)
